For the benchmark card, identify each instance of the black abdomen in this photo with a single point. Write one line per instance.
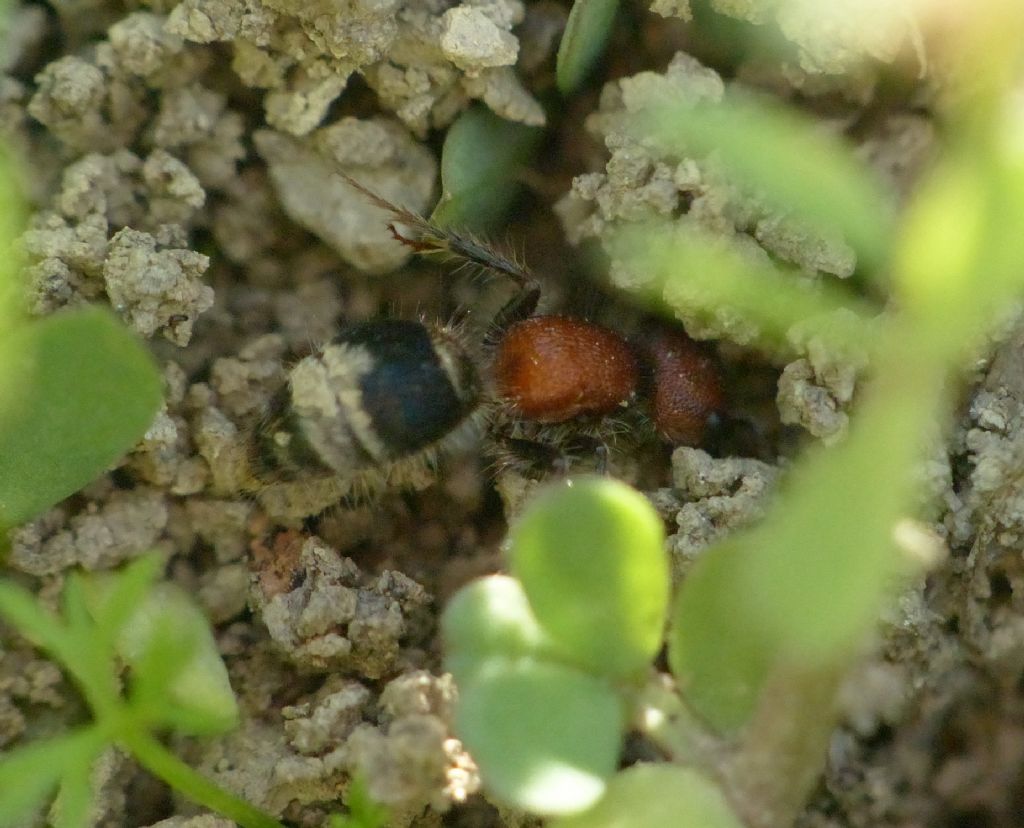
(381, 391)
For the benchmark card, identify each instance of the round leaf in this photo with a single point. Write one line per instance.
(546, 737)
(718, 649)
(657, 796)
(480, 166)
(489, 617)
(590, 556)
(76, 392)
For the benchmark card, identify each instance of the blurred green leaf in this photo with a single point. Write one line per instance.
(546, 737)
(691, 271)
(958, 261)
(74, 801)
(826, 558)
(69, 639)
(945, 232)
(480, 165)
(363, 811)
(40, 626)
(490, 617)
(589, 554)
(787, 160)
(179, 674)
(29, 774)
(161, 762)
(719, 652)
(789, 733)
(76, 392)
(657, 796)
(179, 681)
(91, 666)
(114, 597)
(74, 607)
(806, 584)
(1001, 256)
(583, 42)
(12, 223)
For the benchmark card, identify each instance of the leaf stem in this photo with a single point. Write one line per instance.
(664, 717)
(784, 746)
(160, 761)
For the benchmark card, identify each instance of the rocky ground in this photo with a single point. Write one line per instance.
(181, 162)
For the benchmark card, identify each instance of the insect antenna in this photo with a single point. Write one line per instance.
(458, 245)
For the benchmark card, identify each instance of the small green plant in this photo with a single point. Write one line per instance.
(480, 165)
(554, 666)
(76, 392)
(175, 682)
(76, 389)
(583, 42)
(549, 659)
(363, 811)
(554, 662)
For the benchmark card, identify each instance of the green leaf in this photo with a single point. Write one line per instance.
(69, 640)
(489, 617)
(74, 605)
(29, 774)
(76, 392)
(36, 623)
(363, 811)
(827, 559)
(179, 677)
(161, 762)
(590, 556)
(480, 165)
(74, 801)
(960, 252)
(90, 664)
(546, 737)
(657, 796)
(114, 597)
(12, 224)
(720, 653)
(791, 163)
(586, 32)
(693, 272)
(806, 585)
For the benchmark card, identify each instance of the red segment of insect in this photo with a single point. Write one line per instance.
(684, 388)
(553, 368)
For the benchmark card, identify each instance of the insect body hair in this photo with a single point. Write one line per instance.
(371, 408)
(380, 405)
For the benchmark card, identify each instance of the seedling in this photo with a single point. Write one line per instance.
(481, 162)
(175, 681)
(363, 811)
(554, 664)
(76, 389)
(542, 657)
(583, 42)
